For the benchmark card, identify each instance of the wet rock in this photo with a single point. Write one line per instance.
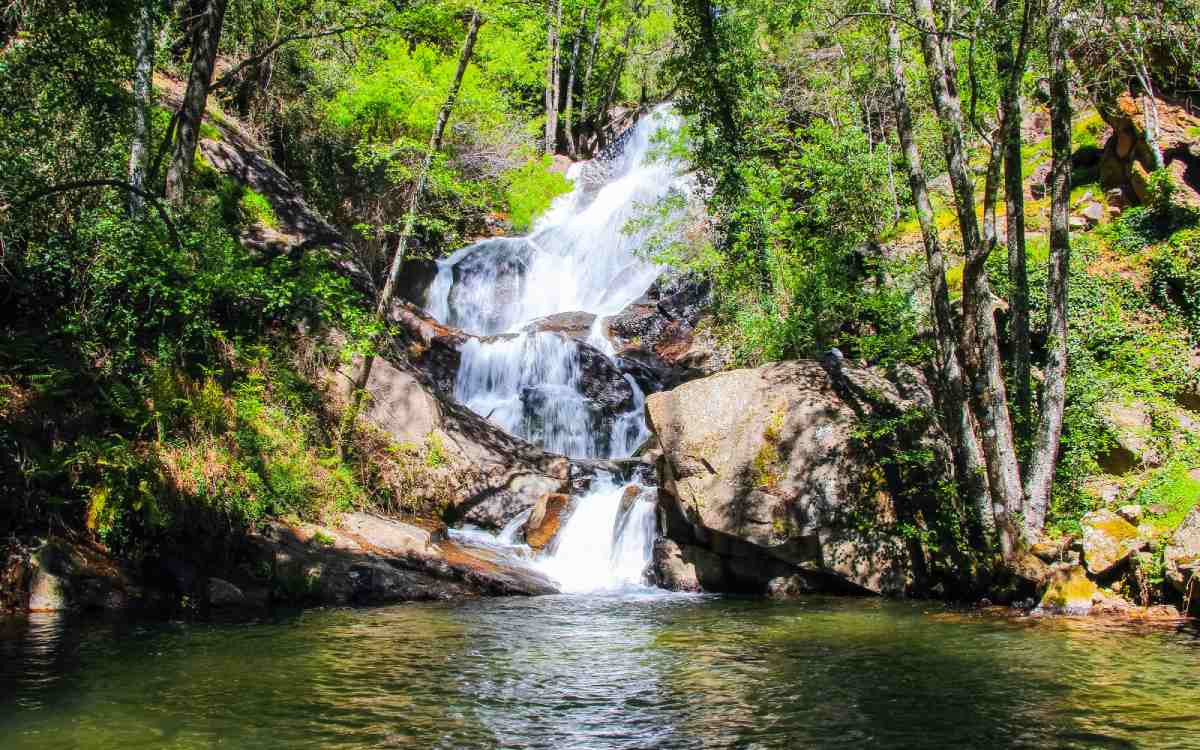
(1182, 555)
(767, 459)
(546, 519)
(576, 325)
(222, 593)
(493, 270)
(1108, 540)
(1069, 591)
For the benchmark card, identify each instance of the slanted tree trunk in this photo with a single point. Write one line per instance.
(968, 455)
(1054, 391)
(205, 42)
(568, 126)
(594, 49)
(980, 347)
(143, 75)
(553, 24)
(384, 304)
(618, 71)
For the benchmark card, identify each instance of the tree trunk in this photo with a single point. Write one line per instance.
(968, 456)
(143, 75)
(1054, 392)
(618, 71)
(553, 21)
(591, 64)
(1011, 67)
(568, 127)
(980, 348)
(206, 40)
(384, 303)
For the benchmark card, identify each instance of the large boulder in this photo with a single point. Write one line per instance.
(1182, 555)
(1108, 541)
(476, 471)
(779, 467)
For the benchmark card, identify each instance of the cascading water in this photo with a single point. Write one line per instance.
(534, 383)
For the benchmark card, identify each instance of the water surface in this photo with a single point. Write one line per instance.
(622, 671)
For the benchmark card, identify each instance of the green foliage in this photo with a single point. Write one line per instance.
(256, 209)
(1175, 491)
(531, 189)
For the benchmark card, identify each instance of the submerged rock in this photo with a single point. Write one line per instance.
(767, 469)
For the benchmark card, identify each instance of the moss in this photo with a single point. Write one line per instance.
(764, 466)
(256, 209)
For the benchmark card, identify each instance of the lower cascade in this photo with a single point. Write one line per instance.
(562, 393)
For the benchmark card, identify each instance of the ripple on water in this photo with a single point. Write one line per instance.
(600, 672)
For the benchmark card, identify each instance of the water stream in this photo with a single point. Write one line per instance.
(579, 258)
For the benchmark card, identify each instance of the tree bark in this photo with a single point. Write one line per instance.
(568, 126)
(968, 455)
(980, 348)
(384, 303)
(1054, 392)
(553, 22)
(205, 42)
(143, 75)
(618, 71)
(1011, 67)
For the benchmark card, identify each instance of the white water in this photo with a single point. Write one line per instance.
(578, 258)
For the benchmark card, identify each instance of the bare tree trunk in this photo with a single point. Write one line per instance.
(384, 304)
(968, 455)
(143, 80)
(594, 49)
(553, 23)
(618, 71)
(568, 125)
(980, 348)
(1054, 392)
(1011, 67)
(205, 42)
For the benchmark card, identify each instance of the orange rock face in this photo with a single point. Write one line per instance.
(546, 519)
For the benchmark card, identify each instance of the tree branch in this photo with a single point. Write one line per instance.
(85, 184)
(254, 60)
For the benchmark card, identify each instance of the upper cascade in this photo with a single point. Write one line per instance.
(579, 256)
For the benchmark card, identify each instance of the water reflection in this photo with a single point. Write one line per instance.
(600, 672)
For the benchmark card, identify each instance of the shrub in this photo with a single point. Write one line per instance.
(531, 190)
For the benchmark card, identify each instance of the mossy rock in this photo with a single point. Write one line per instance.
(1069, 592)
(1108, 540)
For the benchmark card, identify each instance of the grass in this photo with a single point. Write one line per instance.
(256, 209)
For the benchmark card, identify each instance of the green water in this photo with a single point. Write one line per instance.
(601, 672)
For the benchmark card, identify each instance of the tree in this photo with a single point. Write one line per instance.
(143, 74)
(206, 39)
(1041, 470)
(553, 26)
(960, 425)
(569, 126)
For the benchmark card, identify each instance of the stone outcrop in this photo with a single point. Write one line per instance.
(768, 472)
(1127, 160)
(1068, 592)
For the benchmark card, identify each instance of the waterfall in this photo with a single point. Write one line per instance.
(543, 385)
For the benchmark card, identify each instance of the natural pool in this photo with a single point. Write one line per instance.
(628, 671)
